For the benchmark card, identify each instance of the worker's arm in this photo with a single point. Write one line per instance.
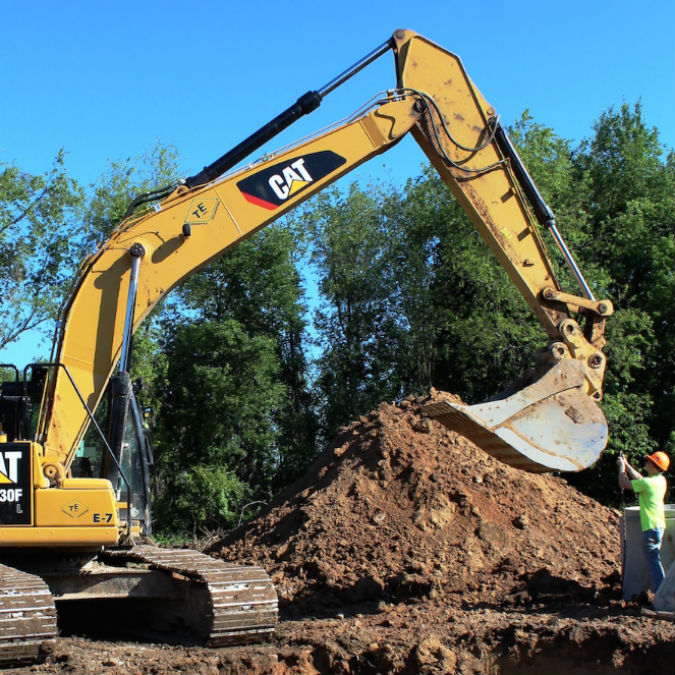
(626, 474)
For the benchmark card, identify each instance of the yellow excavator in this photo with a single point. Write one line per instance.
(71, 517)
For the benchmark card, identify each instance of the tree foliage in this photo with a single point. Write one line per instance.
(469, 329)
(235, 395)
(40, 240)
(220, 390)
(121, 182)
(359, 327)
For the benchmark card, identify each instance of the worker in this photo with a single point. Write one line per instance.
(651, 491)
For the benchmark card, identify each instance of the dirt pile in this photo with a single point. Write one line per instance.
(405, 550)
(400, 507)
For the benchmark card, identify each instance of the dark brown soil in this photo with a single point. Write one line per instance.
(405, 550)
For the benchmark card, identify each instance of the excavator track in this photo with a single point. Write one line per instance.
(27, 617)
(242, 604)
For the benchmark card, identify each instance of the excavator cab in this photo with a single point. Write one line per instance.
(20, 399)
(130, 474)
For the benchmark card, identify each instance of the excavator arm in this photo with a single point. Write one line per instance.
(154, 249)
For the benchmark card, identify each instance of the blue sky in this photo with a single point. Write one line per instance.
(106, 81)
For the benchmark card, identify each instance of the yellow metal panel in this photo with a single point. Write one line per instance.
(478, 177)
(87, 484)
(58, 536)
(56, 507)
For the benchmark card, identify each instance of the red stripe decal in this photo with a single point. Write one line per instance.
(259, 202)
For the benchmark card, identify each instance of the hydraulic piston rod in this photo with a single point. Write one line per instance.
(303, 106)
(541, 208)
(137, 252)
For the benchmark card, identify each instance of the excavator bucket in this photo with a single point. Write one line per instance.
(551, 425)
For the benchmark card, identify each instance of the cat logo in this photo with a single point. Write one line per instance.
(9, 475)
(273, 186)
(15, 484)
(9, 466)
(292, 178)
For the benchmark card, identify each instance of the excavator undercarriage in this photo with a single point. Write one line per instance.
(27, 616)
(145, 592)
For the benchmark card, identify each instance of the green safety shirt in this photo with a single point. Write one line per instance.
(651, 491)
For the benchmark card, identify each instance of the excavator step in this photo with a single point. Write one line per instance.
(27, 617)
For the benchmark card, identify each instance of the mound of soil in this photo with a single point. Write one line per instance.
(400, 507)
(406, 550)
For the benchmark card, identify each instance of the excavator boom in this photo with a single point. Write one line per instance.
(458, 130)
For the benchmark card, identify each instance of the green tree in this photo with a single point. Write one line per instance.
(358, 323)
(621, 164)
(469, 330)
(220, 391)
(257, 284)
(630, 202)
(235, 338)
(40, 240)
(123, 181)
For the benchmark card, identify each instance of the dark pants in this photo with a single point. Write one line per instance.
(652, 548)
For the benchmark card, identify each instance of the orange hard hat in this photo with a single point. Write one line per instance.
(660, 459)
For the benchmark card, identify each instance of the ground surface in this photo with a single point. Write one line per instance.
(407, 550)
